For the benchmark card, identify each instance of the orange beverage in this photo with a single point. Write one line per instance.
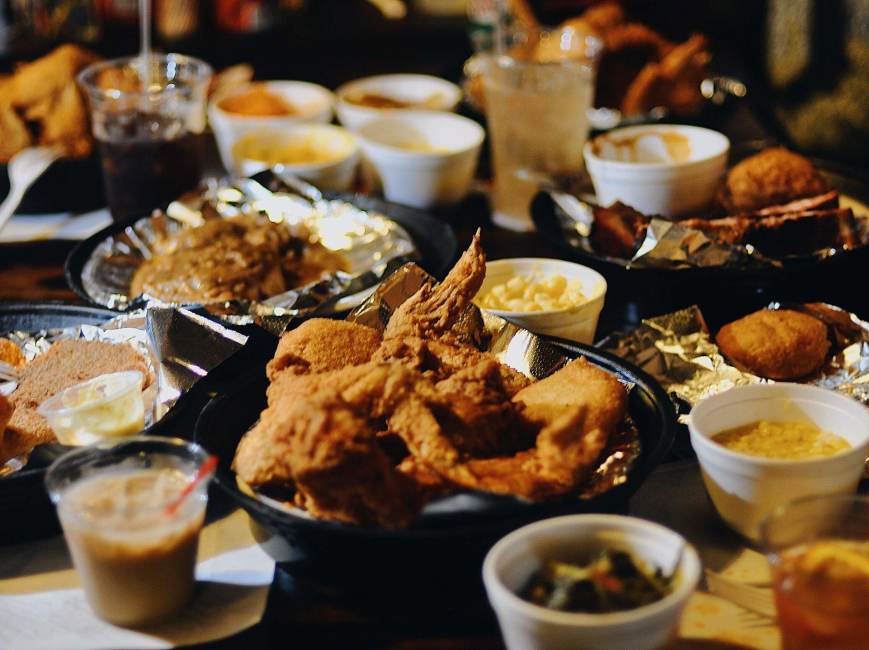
(819, 554)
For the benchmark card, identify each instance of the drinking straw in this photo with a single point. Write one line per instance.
(204, 470)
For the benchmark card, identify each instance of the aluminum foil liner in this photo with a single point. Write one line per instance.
(372, 244)
(180, 348)
(512, 346)
(677, 350)
(669, 245)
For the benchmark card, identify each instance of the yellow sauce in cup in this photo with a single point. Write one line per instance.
(782, 440)
(534, 293)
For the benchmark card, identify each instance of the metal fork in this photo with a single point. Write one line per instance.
(24, 168)
(755, 599)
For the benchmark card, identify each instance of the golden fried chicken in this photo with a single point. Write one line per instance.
(66, 123)
(47, 76)
(434, 309)
(773, 176)
(65, 364)
(6, 409)
(14, 135)
(323, 344)
(777, 344)
(578, 408)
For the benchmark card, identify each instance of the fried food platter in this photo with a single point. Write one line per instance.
(449, 402)
(373, 237)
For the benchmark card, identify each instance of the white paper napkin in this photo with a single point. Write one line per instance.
(233, 585)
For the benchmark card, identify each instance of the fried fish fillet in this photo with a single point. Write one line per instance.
(323, 344)
(777, 344)
(65, 364)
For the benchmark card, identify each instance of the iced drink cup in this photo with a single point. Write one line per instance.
(819, 555)
(538, 123)
(131, 527)
(147, 131)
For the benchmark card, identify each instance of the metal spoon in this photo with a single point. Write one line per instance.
(24, 168)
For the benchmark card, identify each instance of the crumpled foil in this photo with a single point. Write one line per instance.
(372, 244)
(669, 245)
(677, 350)
(180, 348)
(512, 346)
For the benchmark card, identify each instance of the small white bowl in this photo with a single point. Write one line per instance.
(525, 626)
(577, 323)
(744, 488)
(424, 91)
(313, 103)
(664, 188)
(417, 178)
(338, 144)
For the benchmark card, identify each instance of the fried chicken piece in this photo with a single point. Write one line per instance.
(10, 353)
(434, 309)
(14, 135)
(674, 82)
(47, 76)
(578, 408)
(66, 123)
(777, 344)
(773, 176)
(65, 364)
(323, 344)
(6, 409)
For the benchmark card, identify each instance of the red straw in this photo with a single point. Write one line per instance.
(204, 470)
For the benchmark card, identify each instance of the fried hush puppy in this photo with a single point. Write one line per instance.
(773, 176)
(776, 344)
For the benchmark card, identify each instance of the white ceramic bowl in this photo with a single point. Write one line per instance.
(746, 488)
(664, 188)
(422, 179)
(577, 323)
(339, 144)
(429, 93)
(525, 626)
(313, 103)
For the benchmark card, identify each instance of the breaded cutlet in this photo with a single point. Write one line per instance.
(65, 364)
(776, 344)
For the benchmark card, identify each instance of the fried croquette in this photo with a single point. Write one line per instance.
(776, 344)
(65, 364)
(773, 176)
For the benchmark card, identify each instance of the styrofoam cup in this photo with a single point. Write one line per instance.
(745, 489)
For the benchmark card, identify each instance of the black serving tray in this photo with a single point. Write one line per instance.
(438, 546)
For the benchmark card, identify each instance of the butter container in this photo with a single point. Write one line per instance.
(107, 406)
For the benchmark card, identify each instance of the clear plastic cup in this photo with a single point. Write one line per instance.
(107, 406)
(537, 116)
(132, 524)
(147, 136)
(818, 549)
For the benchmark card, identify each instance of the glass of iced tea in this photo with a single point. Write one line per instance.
(819, 553)
(537, 102)
(131, 514)
(146, 120)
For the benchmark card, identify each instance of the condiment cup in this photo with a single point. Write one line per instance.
(577, 323)
(424, 178)
(339, 145)
(313, 103)
(664, 188)
(745, 489)
(107, 406)
(525, 626)
(423, 91)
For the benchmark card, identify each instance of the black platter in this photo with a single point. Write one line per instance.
(25, 510)
(68, 185)
(642, 292)
(438, 547)
(433, 238)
